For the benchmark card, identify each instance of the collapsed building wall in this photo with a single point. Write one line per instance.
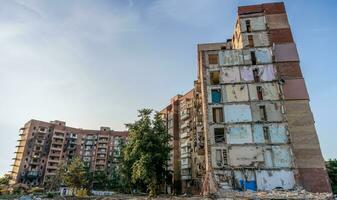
(258, 127)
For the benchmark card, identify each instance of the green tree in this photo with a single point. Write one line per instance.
(54, 183)
(331, 166)
(76, 174)
(100, 180)
(4, 180)
(147, 151)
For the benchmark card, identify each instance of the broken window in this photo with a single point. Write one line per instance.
(217, 115)
(215, 77)
(218, 156)
(224, 157)
(250, 41)
(263, 113)
(213, 59)
(259, 92)
(219, 135)
(256, 75)
(248, 26)
(266, 134)
(216, 96)
(253, 57)
(221, 157)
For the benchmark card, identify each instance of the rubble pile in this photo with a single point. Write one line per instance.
(275, 194)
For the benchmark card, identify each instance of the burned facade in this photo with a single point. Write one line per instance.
(256, 124)
(44, 146)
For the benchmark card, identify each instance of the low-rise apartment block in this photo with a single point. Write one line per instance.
(44, 146)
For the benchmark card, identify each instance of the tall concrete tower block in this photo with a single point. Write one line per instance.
(258, 126)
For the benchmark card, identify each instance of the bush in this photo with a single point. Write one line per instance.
(36, 190)
(81, 193)
(4, 191)
(50, 195)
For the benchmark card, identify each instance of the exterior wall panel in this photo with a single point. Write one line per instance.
(239, 134)
(269, 180)
(295, 89)
(231, 57)
(282, 157)
(237, 113)
(285, 52)
(257, 24)
(260, 39)
(230, 75)
(269, 91)
(277, 21)
(280, 36)
(289, 70)
(245, 155)
(236, 93)
(273, 110)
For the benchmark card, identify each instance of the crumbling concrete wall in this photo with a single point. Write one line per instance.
(239, 134)
(269, 91)
(240, 156)
(257, 23)
(268, 180)
(266, 73)
(273, 111)
(230, 57)
(236, 93)
(237, 113)
(230, 75)
(260, 39)
(277, 133)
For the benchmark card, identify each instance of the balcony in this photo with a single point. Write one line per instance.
(186, 177)
(32, 174)
(58, 136)
(53, 160)
(184, 135)
(52, 167)
(100, 163)
(185, 116)
(185, 125)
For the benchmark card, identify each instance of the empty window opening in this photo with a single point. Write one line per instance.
(224, 157)
(266, 134)
(221, 157)
(259, 92)
(253, 57)
(256, 75)
(219, 135)
(248, 26)
(213, 59)
(215, 77)
(217, 115)
(216, 96)
(218, 155)
(250, 41)
(263, 113)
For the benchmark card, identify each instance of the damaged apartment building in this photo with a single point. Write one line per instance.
(43, 146)
(247, 124)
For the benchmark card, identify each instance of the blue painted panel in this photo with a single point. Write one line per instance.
(258, 134)
(238, 113)
(278, 133)
(263, 56)
(216, 96)
(281, 155)
(248, 185)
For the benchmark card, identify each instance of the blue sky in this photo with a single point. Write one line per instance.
(94, 63)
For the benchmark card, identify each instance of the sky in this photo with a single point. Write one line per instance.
(95, 63)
